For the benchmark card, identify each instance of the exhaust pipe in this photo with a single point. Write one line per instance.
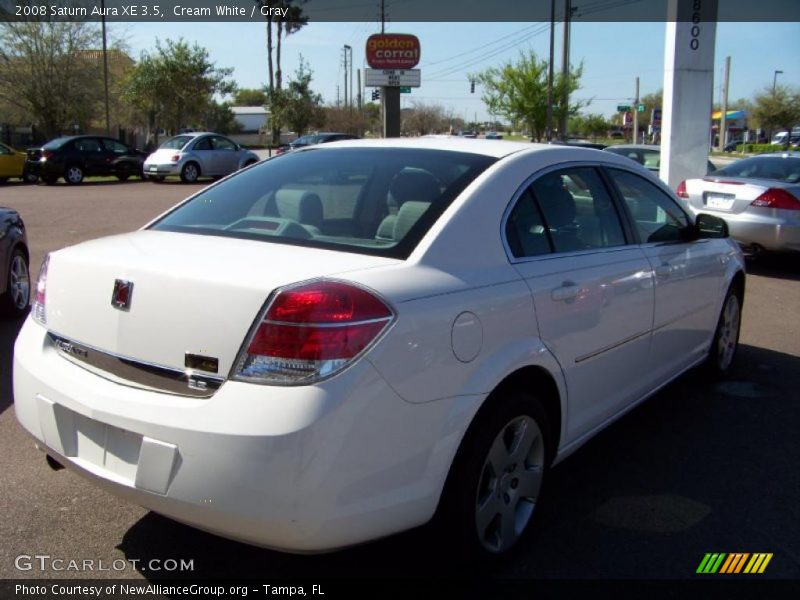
(53, 463)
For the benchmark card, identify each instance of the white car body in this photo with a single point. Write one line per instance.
(364, 453)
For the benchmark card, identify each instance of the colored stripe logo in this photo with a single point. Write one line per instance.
(733, 563)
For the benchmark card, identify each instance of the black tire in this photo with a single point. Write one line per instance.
(3, 180)
(16, 299)
(156, 178)
(488, 506)
(73, 174)
(124, 174)
(29, 177)
(190, 172)
(722, 353)
(248, 163)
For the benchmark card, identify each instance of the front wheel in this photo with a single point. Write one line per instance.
(15, 301)
(497, 477)
(29, 177)
(726, 337)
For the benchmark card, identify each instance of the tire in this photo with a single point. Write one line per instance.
(496, 479)
(16, 299)
(726, 337)
(248, 163)
(190, 172)
(73, 174)
(157, 178)
(29, 177)
(3, 180)
(124, 175)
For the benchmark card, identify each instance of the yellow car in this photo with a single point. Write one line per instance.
(12, 164)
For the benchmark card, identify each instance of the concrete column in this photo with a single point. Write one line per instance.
(688, 89)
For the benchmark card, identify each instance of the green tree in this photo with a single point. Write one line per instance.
(591, 125)
(175, 85)
(777, 109)
(297, 106)
(518, 92)
(250, 97)
(48, 71)
(219, 117)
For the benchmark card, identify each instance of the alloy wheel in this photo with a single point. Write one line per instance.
(509, 484)
(19, 282)
(728, 332)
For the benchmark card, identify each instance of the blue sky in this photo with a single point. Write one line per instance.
(613, 54)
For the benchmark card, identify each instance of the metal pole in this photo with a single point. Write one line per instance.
(350, 52)
(723, 114)
(549, 122)
(775, 80)
(358, 94)
(105, 66)
(636, 114)
(345, 76)
(565, 71)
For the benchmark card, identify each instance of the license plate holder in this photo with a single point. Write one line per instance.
(720, 201)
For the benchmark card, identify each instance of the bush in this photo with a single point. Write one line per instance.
(759, 148)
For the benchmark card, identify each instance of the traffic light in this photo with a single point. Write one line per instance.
(376, 94)
(471, 87)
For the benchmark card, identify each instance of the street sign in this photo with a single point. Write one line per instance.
(640, 108)
(392, 78)
(623, 107)
(404, 89)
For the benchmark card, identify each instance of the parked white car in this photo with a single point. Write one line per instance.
(197, 154)
(341, 343)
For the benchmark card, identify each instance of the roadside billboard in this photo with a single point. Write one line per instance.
(393, 51)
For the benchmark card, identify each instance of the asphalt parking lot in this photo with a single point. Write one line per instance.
(698, 468)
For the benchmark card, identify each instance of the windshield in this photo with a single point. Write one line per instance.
(778, 168)
(176, 143)
(368, 200)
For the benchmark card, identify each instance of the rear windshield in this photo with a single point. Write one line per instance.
(56, 143)
(177, 142)
(377, 201)
(778, 168)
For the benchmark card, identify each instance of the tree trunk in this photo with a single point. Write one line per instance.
(271, 87)
(278, 74)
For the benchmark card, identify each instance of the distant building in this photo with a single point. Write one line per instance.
(252, 118)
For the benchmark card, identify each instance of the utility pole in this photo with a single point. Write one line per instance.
(565, 70)
(723, 113)
(549, 122)
(383, 16)
(337, 95)
(636, 114)
(350, 53)
(105, 67)
(358, 94)
(345, 74)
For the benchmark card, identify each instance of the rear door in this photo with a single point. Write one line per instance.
(688, 274)
(226, 155)
(204, 151)
(592, 291)
(92, 154)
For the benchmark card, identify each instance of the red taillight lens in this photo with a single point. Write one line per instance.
(777, 198)
(40, 297)
(175, 157)
(681, 191)
(47, 154)
(313, 331)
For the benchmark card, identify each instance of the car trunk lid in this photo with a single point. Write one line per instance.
(731, 195)
(190, 294)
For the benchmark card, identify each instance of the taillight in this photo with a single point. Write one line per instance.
(681, 191)
(175, 157)
(47, 154)
(777, 198)
(312, 331)
(40, 297)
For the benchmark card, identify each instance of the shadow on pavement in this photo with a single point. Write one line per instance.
(8, 335)
(700, 467)
(779, 266)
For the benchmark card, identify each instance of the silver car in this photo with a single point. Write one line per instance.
(197, 154)
(759, 197)
(647, 155)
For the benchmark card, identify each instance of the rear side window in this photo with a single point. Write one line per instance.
(577, 210)
(177, 142)
(378, 201)
(777, 168)
(90, 145)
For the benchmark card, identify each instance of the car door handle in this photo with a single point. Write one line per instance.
(567, 292)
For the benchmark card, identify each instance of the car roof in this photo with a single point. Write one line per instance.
(634, 147)
(493, 148)
(787, 154)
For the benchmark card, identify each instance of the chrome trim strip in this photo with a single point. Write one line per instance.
(135, 372)
(328, 325)
(635, 336)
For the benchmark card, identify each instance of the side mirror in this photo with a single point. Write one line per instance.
(709, 226)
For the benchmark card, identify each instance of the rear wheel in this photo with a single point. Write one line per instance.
(15, 301)
(190, 172)
(29, 177)
(496, 478)
(73, 174)
(726, 337)
(3, 179)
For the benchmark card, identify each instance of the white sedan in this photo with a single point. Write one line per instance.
(352, 339)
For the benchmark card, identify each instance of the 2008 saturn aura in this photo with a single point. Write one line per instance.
(346, 341)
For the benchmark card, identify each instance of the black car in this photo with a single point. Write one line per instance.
(76, 157)
(315, 138)
(15, 279)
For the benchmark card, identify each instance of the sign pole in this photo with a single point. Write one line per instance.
(390, 96)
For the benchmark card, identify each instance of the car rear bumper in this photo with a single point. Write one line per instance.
(767, 231)
(161, 170)
(301, 469)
